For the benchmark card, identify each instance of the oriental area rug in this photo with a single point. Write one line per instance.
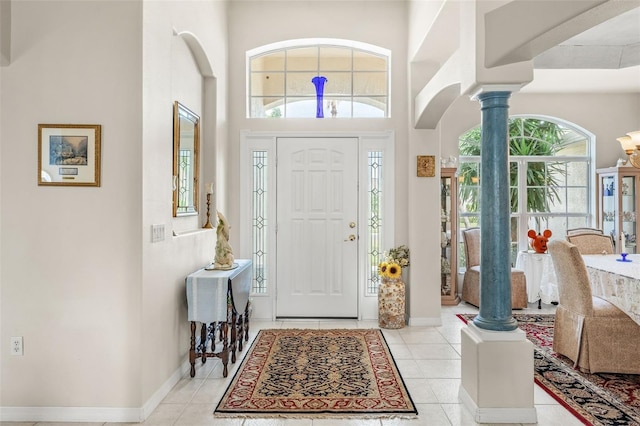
(595, 399)
(302, 373)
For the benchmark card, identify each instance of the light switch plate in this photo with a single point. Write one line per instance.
(157, 233)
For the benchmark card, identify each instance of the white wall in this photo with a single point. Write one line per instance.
(431, 43)
(102, 309)
(423, 210)
(607, 116)
(421, 18)
(71, 259)
(170, 74)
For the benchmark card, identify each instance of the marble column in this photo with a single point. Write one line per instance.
(496, 382)
(495, 209)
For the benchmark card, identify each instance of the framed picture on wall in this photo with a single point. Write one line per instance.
(69, 154)
(426, 166)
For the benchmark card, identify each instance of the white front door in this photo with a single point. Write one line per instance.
(317, 230)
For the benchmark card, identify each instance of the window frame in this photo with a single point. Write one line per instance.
(319, 43)
(523, 218)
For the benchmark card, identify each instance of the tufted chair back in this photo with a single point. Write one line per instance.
(592, 243)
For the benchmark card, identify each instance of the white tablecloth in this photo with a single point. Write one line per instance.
(207, 292)
(610, 263)
(616, 282)
(541, 277)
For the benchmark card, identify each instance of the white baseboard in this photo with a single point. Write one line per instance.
(155, 400)
(70, 414)
(94, 414)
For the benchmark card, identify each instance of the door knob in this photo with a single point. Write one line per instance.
(352, 225)
(351, 238)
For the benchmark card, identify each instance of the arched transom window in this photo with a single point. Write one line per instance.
(324, 78)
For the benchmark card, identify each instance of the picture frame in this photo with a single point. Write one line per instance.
(69, 154)
(426, 166)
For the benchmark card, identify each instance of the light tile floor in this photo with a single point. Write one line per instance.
(428, 358)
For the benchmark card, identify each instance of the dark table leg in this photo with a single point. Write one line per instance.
(246, 323)
(234, 335)
(192, 349)
(240, 325)
(203, 342)
(224, 355)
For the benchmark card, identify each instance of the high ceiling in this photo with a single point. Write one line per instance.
(605, 58)
(611, 45)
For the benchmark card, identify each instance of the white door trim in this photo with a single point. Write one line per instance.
(264, 306)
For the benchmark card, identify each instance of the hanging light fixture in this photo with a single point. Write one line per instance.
(631, 145)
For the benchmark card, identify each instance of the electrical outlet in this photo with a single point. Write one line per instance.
(16, 346)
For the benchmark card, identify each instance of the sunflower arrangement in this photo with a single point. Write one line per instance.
(389, 270)
(396, 259)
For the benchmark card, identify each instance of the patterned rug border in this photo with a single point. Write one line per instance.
(320, 414)
(548, 364)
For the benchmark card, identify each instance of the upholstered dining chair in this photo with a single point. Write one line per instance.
(590, 331)
(592, 243)
(585, 230)
(471, 279)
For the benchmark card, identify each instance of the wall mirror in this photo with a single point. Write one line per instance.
(186, 147)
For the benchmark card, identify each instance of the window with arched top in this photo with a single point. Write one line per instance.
(550, 178)
(318, 78)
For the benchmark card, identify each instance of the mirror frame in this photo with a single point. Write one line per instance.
(180, 112)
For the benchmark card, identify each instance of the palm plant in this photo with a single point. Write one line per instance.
(527, 137)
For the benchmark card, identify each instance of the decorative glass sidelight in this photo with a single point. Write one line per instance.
(374, 220)
(259, 223)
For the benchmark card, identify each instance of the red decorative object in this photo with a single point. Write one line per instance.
(539, 242)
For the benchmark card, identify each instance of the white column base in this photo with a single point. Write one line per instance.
(497, 376)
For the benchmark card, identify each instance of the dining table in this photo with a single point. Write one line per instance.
(616, 280)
